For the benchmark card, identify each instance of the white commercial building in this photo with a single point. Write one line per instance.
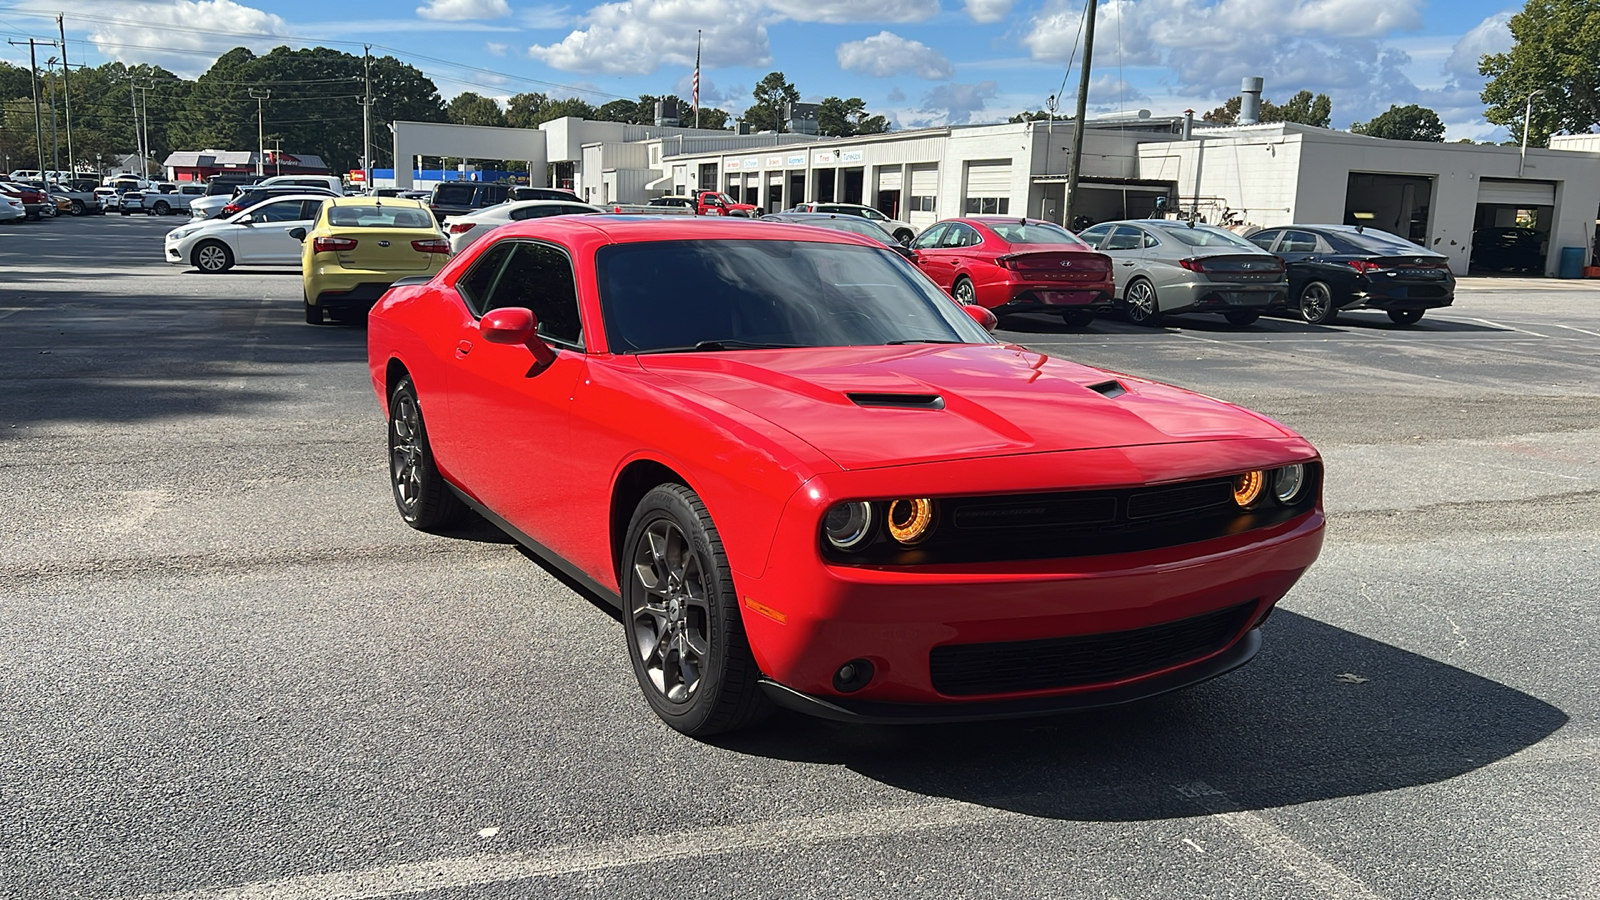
(1439, 195)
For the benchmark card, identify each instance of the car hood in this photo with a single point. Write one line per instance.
(867, 407)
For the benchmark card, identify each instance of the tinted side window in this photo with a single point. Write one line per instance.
(480, 279)
(539, 277)
(929, 238)
(1124, 238)
(288, 211)
(1094, 235)
(1298, 242)
(1264, 239)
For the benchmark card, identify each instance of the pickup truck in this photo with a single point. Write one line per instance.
(162, 199)
(699, 203)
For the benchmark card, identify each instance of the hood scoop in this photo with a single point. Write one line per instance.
(897, 401)
(1110, 389)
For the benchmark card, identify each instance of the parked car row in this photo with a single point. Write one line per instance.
(41, 200)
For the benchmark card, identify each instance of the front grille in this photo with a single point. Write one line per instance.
(964, 670)
(1063, 524)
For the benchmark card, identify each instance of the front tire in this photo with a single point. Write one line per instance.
(1139, 302)
(1316, 304)
(77, 207)
(685, 637)
(48, 211)
(903, 236)
(963, 291)
(425, 502)
(1405, 316)
(212, 257)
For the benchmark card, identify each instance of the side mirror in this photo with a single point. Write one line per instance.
(982, 316)
(243, 220)
(516, 325)
(298, 234)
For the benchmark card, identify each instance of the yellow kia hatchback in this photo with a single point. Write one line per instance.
(359, 246)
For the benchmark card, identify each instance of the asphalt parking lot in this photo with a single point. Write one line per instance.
(230, 671)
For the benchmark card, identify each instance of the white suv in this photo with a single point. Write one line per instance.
(326, 182)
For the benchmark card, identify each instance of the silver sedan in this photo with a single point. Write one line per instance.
(1164, 266)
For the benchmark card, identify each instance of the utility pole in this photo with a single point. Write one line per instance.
(138, 143)
(33, 80)
(366, 124)
(144, 128)
(55, 136)
(260, 95)
(1083, 110)
(66, 92)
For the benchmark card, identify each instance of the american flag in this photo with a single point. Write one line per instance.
(696, 95)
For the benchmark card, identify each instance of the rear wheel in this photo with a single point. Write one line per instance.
(425, 502)
(1316, 304)
(1405, 316)
(1241, 317)
(1139, 301)
(963, 291)
(77, 207)
(685, 637)
(1077, 318)
(161, 208)
(212, 257)
(313, 314)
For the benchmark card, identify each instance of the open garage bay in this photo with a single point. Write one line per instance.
(230, 671)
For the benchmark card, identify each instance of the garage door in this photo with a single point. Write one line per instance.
(925, 181)
(889, 179)
(989, 179)
(1516, 193)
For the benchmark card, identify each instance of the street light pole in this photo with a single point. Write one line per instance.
(1527, 117)
(66, 93)
(260, 95)
(366, 125)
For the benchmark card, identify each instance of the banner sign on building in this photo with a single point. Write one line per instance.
(776, 162)
(751, 164)
(797, 159)
(732, 165)
(822, 157)
(852, 155)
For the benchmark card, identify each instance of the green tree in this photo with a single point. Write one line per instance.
(1307, 110)
(1556, 46)
(468, 108)
(845, 118)
(618, 111)
(772, 92)
(1404, 123)
(1025, 116)
(14, 82)
(534, 109)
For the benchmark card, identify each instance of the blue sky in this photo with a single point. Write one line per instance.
(920, 62)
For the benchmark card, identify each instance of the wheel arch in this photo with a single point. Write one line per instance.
(636, 479)
(393, 371)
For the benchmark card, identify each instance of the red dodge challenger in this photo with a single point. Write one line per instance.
(808, 478)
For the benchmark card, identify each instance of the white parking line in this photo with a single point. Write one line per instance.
(1580, 330)
(454, 873)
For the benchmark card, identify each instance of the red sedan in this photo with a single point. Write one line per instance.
(1017, 265)
(808, 479)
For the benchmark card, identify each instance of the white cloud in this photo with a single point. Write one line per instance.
(1492, 35)
(988, 10)
(636, 37)
(886, 54)
(496, 49)
(165, 40)
(957, 104)
(841, 11)
(462, 10)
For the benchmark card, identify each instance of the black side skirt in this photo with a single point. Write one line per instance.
(544, 553)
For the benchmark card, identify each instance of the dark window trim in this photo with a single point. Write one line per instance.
(553, 341)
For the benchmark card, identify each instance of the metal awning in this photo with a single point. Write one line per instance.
(659, 183)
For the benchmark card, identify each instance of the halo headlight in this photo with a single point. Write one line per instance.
(1247, 488)
(910, 520)
(1288, 483)
(848, 525)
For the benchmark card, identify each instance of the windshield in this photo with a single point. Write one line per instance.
(1034, 233)
(663, 296)
(1207, 236)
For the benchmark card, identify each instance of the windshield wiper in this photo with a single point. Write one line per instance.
(723, 344)
(923, 341)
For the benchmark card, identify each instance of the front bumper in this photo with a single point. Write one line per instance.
(805, 617)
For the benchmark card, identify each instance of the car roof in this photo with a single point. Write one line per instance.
(358, 200)
(627, 229)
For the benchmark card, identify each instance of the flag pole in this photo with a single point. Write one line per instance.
(697, 78)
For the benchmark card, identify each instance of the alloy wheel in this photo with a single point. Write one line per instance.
(405, 453)
(1316, 304)
(965, 292)
(1141, 301)
(671, 622)
(211, 258)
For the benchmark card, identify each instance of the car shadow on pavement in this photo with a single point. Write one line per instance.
(1321, 713)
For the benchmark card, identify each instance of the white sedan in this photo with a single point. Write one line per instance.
(11, 209)
(259, 236)
(463, 230)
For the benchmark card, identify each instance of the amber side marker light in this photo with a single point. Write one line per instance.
(1247, 488)
(910, 520)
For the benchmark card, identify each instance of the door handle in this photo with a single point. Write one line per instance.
(463, 348)
(1127, 263)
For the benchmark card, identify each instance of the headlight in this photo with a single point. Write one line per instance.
(910, 520)
(1247, 488)
(1288, 482)
(848, 525)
